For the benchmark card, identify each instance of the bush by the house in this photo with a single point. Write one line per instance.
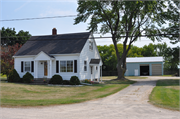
(27, 77)
(56, 79)
(14, 76)
(66, 82)
(74, 80)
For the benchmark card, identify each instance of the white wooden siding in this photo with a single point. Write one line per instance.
(87, 54)
(65, 75)
(17, 66)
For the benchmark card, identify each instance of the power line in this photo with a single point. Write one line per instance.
(38, 18)
(96, 37)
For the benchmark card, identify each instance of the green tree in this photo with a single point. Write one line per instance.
(135, 52)
(108, 55)
(10, 37)
(161, 49)
(128, 18)
(171, 58)
(173, 13)
(148, 50)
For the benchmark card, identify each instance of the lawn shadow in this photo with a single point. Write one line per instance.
(168, 82)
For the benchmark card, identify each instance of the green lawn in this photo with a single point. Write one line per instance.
(3, 77)
(166, 94)
(13, 95)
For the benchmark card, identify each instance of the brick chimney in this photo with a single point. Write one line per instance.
(54, 31)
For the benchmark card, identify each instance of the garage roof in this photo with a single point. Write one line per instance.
(144, 59)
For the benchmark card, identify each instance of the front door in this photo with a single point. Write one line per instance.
(45, 69)
(92, 73)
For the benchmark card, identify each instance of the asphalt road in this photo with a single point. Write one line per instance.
(129, 103)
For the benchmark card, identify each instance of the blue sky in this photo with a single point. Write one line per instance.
(18, 9)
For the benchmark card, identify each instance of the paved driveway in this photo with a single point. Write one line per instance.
(130, 103)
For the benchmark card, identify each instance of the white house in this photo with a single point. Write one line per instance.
(74, 54)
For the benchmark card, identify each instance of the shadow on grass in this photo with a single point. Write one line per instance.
(114, 81)
(168, 82)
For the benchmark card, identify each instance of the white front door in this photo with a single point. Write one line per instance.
(92, 74)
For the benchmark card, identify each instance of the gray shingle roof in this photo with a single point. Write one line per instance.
(54, 44)
(94, 61)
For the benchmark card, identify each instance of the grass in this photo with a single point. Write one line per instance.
(13, 95)
(166, 94)
(119, 82)
(128, 77)
(3, 77)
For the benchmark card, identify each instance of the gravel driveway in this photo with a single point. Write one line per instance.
(129, 103)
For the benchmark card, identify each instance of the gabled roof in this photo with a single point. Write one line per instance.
(54, 44)
(144, 59)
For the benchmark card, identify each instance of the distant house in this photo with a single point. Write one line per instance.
(144, 66)
(74, 54)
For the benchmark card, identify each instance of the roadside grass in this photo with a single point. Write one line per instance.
(20, 95)
(127, 77)
(3, 77)
(166, 94)
(165, 76)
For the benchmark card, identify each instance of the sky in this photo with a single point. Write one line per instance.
(19, 9)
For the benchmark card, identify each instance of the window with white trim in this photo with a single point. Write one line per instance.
(66, 66)
(85, 65)
(27, 66)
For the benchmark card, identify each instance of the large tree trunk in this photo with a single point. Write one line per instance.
(120, 60)
(120, 70)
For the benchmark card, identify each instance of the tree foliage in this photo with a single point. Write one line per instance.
(7, 61)
(10, 37)
(170, 55)
(173, 12)
(128, 18)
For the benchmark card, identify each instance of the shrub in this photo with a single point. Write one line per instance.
(87, 81)
(74, 80)
(66, 82)
(14, 76)
(56, 79)
(27, 77)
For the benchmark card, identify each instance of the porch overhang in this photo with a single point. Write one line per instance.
(94, 62)
(43, 56)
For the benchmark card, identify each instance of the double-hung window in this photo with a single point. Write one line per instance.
(69, 66)
(85, 65)
(63, 66)
(27, 66)
(66, 66)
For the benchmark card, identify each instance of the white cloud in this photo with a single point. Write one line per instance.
(27, 2)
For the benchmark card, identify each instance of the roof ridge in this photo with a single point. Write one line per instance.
(61, 34)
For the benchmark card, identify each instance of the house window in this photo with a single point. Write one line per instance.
(66, 66)
(96, 68)
(27, 66)
(69, 66)
(85, 65)
(90, 45)
(63, 66)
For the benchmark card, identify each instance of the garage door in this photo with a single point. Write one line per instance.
(156, 69)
